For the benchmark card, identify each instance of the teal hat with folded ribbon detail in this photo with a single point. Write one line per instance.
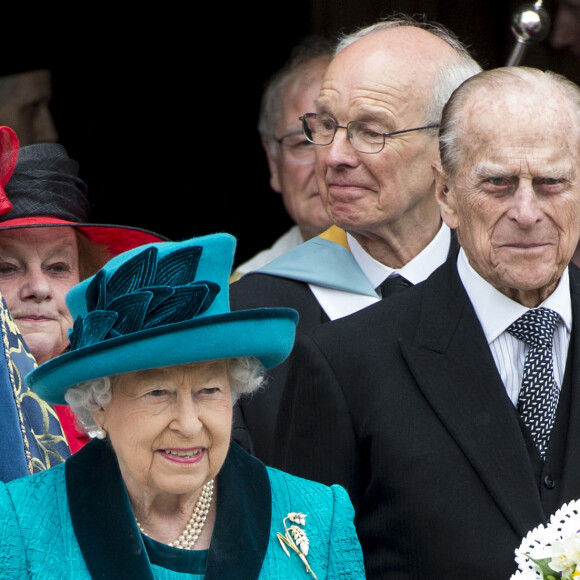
(158, 305)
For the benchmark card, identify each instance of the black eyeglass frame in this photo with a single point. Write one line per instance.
(280, 142)
(305, 128)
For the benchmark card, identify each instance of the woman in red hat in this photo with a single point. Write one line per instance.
(31, 435)
(47, 245)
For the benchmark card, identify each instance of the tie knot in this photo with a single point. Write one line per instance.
(393, 284)
(535, 327)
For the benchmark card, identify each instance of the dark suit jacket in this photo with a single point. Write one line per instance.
(255, 416)
(403, 405)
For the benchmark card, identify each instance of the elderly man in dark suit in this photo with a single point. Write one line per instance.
(452, 411)
(388, 84)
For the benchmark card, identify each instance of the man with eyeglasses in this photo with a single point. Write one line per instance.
(290, 155)
(374, 129)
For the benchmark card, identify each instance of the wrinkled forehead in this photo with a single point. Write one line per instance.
(35, 235)
(526, 94)
(523, 117)
(377, 84)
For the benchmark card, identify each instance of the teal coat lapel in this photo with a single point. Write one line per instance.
(103, 520)
(102, 517)
(465, 391)
(242, 530)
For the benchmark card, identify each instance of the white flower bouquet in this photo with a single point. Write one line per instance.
(552, 552)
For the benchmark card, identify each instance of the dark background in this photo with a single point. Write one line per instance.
(160, 108)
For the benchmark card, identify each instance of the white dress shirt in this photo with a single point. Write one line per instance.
(337, 303)
(496, 312)
(417, 270)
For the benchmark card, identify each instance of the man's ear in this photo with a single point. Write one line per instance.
(444, 195)
(272, 165)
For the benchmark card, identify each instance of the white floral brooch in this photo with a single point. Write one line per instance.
(296, 539)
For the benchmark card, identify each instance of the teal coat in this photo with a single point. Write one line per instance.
(74, 521)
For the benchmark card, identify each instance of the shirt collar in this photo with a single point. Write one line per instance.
(417, 270)
(496, 311)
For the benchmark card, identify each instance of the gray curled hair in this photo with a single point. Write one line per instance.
(247, 374)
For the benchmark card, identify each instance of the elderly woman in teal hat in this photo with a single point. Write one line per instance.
(156, 360)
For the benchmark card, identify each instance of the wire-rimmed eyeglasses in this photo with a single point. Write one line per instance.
(296, 148)
(364, 137)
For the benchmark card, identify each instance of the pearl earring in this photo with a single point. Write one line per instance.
(97, 433)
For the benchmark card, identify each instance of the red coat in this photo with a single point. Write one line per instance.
(75, 437)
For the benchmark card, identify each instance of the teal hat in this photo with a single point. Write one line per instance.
(161, 304)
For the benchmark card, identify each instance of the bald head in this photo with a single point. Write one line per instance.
(405, 40)
(426, 52)
(403, 61)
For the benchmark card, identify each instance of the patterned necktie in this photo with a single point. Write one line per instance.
(539, 392)
(393, 284)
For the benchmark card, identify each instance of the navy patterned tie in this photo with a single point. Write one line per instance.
(539, 392)
(393, 284)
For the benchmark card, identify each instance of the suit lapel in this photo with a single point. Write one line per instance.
(453, 366)
(570, 475)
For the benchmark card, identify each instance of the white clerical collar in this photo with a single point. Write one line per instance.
(496, 311)
(417, 270)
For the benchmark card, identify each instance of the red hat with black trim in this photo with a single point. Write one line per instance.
(44, 190)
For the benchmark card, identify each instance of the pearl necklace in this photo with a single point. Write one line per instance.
(192, 531)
